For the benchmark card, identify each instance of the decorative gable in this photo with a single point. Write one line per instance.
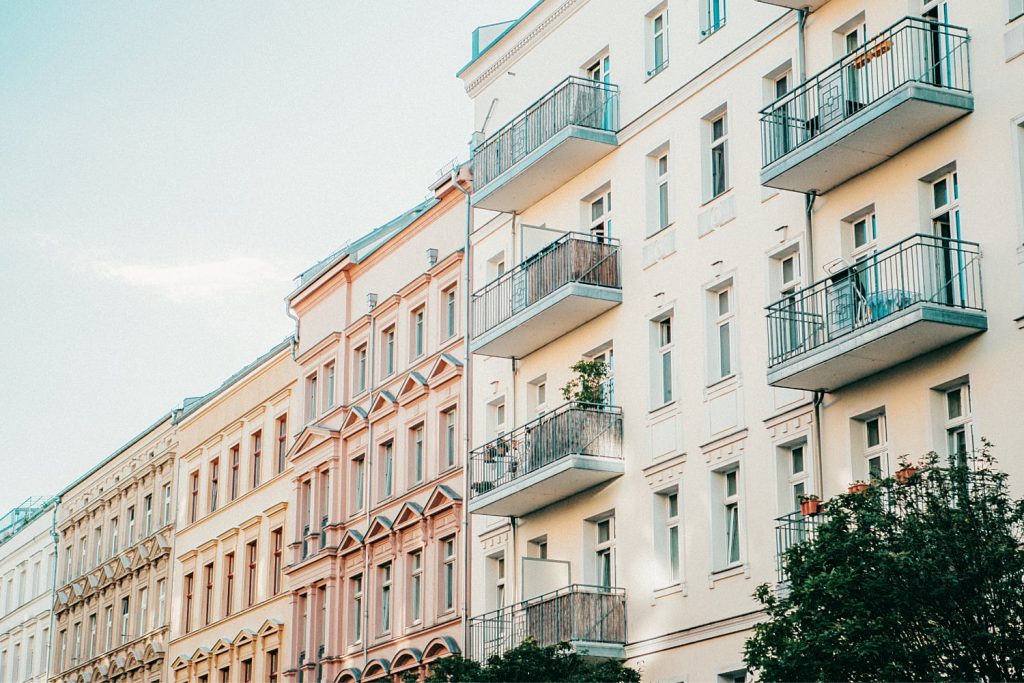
(441, 498)
(445, 367)
(379, 527)
(414, 386)
(410, 514)
(356, 417)
(384, 402)
(352, 540)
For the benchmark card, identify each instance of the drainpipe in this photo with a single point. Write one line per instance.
(55, 538)
(467, 394)
(295, 336)
(368, 490)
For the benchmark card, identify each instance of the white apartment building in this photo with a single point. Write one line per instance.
(27, 563)
(795, 239)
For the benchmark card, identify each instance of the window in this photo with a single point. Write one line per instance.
(62, 647)
(384, 575)
(418, 336)
(661, 169)
(250, 574)
(114, 546)
(416, 448)
(448, 574)
(449, 437)
(311, 389)
(99, 545)
(325, 497)
(257, 458)
(387, 464)
(68, 559)
(359, 482)
(77, 659)
(282, 439)
(357, 608)
(789, 324)
(723, 326)
(330, 372)
(143, 622)
(872, 442)
(450, 312)
(945, 215)
(712, 16)
(272, 666)
(604, 552)
(214, 483)
(235, 465)
(601, 214)
(277, 538)
(92, 636)
(189, 588)
(659, 42)
(794, 464)
(360, 369)
(125, 617)
(718, 156)
(669, 501)
(416, 587)
(865, 233)
(733, 677)
(729, 518)
(131, 524)
(167, 504)
(388, 344)
(225, 674)
(207, 593)
(662, 365)
(229, 582)
(147, 513)
(108, 620)
(83, 543)
(496, 568)
(1016, 9)
(246, 671)
(959, 430)
(193, 513)
(161, 591)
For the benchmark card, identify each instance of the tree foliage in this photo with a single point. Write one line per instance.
(530, 663)
(588, 384)
(915, 579)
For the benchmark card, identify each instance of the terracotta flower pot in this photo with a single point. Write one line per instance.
(858, 488)
(904, 474)
(810, 507)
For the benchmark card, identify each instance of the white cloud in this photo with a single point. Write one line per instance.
(193, 280)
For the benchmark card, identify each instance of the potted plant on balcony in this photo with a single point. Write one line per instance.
(587, 386)
(858, 487)
(906, 471)
(810, 505)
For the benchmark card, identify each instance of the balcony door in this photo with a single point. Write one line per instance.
(598, 105)
(937, 49)
(950, 287)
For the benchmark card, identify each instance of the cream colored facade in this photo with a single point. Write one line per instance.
(667, 160)
(375, 572)
(27, 562)
(229, 609)
(115, 527)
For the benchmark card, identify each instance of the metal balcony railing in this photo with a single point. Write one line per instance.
(572, 429)
(573, 102)
(573, 257)
(792, 529)
(575, 613)
(913, 50)
(919, 269)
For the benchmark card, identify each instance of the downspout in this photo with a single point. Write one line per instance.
(368, 490)
(295, 337)
(467, 393)
(55, 538)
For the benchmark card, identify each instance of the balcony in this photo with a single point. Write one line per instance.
(560, 454)
(898, 88)
(792, 529)
(590, 618)
(555, 139)
(567, 283)
(916, 296)
(809, 5)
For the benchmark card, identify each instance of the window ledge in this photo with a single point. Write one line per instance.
(722, 385)
(653, 73)
(707, 33)
(670, 225)
(741, 569)
(671, 589)
(663, 408)
(717, 197)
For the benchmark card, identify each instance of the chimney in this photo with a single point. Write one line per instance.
(371, 300)
(431, 257)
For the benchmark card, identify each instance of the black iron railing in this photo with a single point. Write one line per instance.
(792, 529)
(573, 257)
(572, 429)
(913, 50)
(573, 102)
(576, 613)
(919, 269)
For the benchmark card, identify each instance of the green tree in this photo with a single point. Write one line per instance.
(530, 663)
(914, 579)
(588, 384)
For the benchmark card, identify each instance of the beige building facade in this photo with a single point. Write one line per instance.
(376, 571)
(27, 563)
(794, 239)
(115, 527)
(229, 608)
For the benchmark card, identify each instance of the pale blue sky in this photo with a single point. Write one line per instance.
(167, 167)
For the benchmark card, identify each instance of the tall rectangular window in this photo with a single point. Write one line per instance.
(272, 665)
(235, 456)
(388, 344)
(723, 324)
(214, 483)
(387, 464)
(92, 636)
(131, 524)
(207, 593)
(959, 432)
(330, 372)
(360, 369)
(193, 509)
(359, 482)
(147, 513)
(114, 545)
(604, 552)
(450, 437)
(450, 313)
(257, 458)
(662, 365)
(415, 605)
(876, 463)
(108, 624)
(125, 619)
(795, 469)
(712, 16)
(670, 511)
(731, 516)
(659, 42)
(418, 332)
(417, 454)
(311, 389)
(161, 592)
(356, 585)
(143, 619)
(282, 442)
(229, 583)
(167, 504)
(718, 156)
(277, 538)
(250, 573)
(384, 576)
(98, 557)
(662, 183)
(448, 574)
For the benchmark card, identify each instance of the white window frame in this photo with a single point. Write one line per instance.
(599, 214)
(449, 577)
(959, 424)
(419, 333)
(713, 16)
(356, 586)
(658, 41)
(416, 587)
(604, 552)
(722, 315)
(330, 374)
(663, 369)
(311, 396)
(386, 573)
(718, 147)
(798, 480)
(877, 451)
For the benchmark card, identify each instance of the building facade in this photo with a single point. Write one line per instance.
(375, 566)
(27, 563)
(785, 295)
(229, 610)
(115, 527)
